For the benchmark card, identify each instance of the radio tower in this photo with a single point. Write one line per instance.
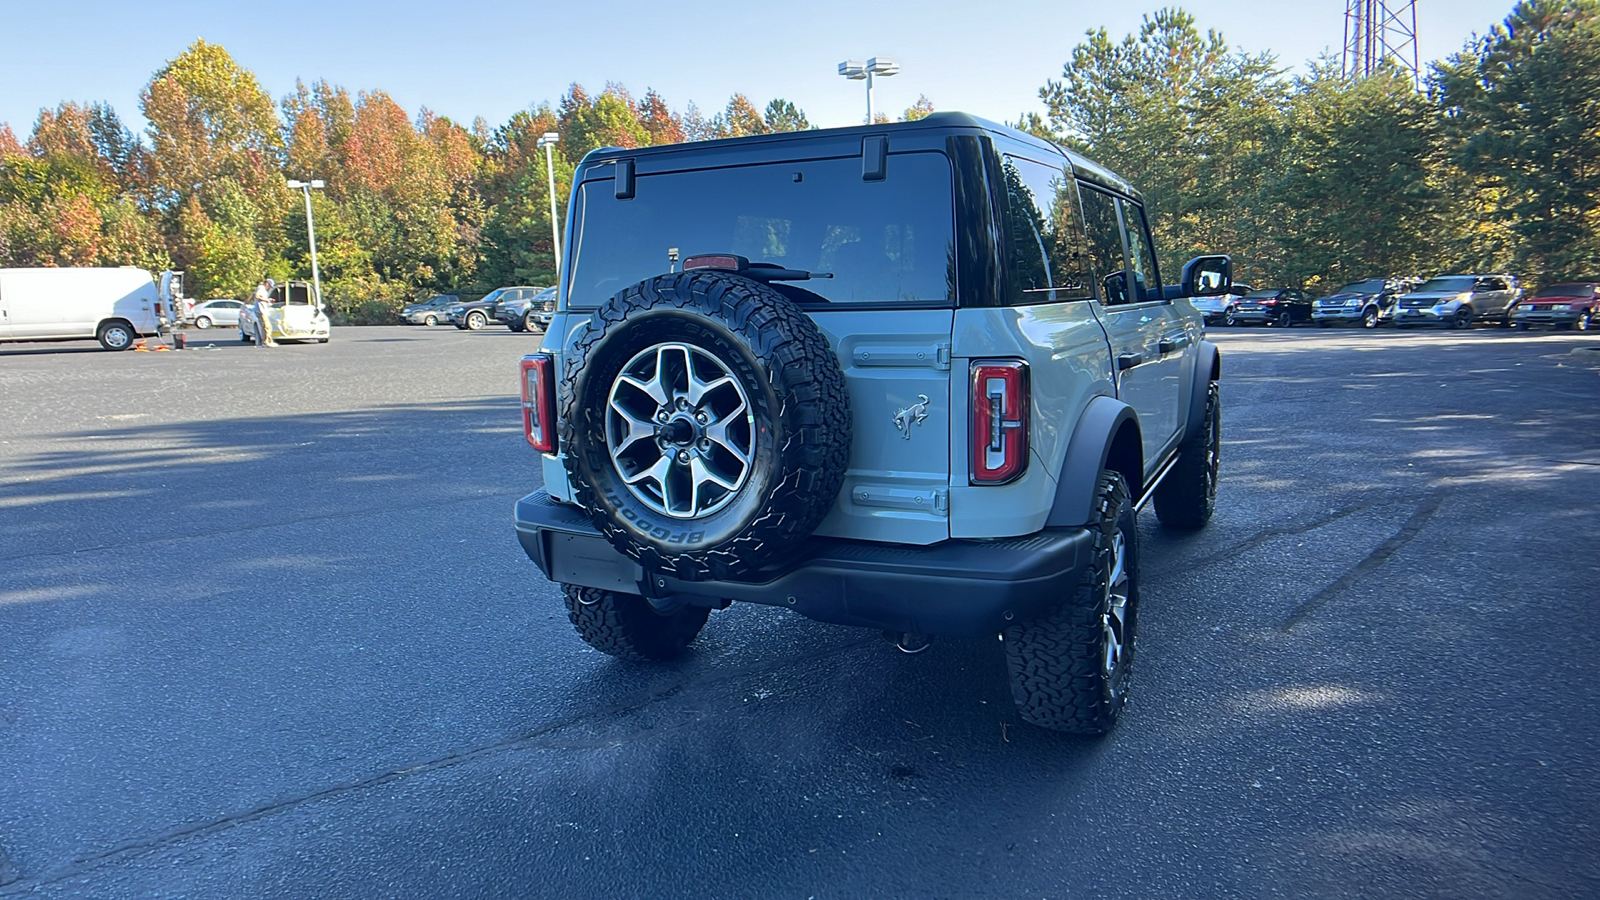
(1375, 30)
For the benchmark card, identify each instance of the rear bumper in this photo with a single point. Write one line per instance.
(961, 588)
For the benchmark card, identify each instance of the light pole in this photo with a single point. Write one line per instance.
(878, 65)
(548, 142)
(311, 233)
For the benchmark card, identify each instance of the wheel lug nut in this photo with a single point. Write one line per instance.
(683, 456)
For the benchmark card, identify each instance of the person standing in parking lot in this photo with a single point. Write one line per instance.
(263, 308)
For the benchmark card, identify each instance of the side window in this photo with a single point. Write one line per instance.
(1104, 233)
(1026, 228)
(1047, 223)
(1142, 257)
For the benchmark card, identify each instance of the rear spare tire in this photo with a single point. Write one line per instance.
(705, 424)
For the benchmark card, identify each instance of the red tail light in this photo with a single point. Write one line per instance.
(999, 432)
(539, 401)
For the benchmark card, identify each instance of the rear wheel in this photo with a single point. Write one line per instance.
(1070, 667)
(1186, 498)
(627, 626)
(116, 335)
(1284, 319)
(1229, 318)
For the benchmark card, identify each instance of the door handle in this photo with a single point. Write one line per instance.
(1129, 360)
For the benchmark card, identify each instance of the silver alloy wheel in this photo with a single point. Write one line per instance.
(1115, 618)
(202, 322)
(430, 320)
(680, 430)
(476, 320)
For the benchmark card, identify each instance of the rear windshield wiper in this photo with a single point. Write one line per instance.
(756, 271)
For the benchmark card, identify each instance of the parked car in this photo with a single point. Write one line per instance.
(864, 428)
(1367, 303)
(528, 313)
(471, 315)
(217, 312)
(429, 312)
(1573, 305)
(294, 315)
(1457, 301)
(1281, 307)
(1218, 310)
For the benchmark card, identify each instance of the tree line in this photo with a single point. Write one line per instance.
(1491, 162)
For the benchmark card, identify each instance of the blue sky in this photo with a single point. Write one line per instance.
(491, 57)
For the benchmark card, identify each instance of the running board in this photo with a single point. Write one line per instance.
(1155, 482)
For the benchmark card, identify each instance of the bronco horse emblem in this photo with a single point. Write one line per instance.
(914, 414)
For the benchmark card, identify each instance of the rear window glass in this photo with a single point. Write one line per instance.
(884, 242)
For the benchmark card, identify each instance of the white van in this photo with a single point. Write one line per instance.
(112, 306)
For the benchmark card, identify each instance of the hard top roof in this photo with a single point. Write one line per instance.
(937, 121)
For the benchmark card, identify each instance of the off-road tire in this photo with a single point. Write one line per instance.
(1057, 661)
(628, 627)
(798, 408)
(1187, 497)
(116, 335)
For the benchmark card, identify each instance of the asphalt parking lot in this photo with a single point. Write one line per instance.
(265, 631)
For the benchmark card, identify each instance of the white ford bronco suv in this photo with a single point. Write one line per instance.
(916, 377)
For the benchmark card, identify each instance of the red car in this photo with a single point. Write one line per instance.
(1574, 305)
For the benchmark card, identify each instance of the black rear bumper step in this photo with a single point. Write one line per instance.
(962, 588)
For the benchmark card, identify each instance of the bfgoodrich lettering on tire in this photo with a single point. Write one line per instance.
(705, 423)
(1070, 667)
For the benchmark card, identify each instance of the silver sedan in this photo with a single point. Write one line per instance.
(217, 312)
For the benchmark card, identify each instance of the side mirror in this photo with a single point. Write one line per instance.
(1207, 276)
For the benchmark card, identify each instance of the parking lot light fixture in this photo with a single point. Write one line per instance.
(881, 66)
(311, 233)
(548, 142)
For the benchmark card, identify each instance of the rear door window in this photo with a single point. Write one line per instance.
(886, 242)
(1103, 230)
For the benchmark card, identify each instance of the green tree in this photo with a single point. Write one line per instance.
(1357, 195)
(1182, 117)
(1522, 116)
(782, 115)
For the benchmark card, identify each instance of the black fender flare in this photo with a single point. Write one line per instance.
(1207, 368)
(1107, 436)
